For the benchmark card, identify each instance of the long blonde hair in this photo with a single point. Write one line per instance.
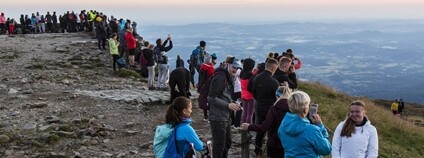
(285, 92)
(349, 126)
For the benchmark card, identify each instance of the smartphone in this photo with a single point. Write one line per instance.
(313, 109)
(238, 101)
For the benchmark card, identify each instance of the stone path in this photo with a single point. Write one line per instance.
(141, 95)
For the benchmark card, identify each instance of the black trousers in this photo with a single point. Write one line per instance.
(261, 110)
(221, 138)
(236, 116)
(274, 152)
(102, 41)
(115, 58)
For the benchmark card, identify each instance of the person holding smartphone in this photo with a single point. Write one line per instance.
(298, 136)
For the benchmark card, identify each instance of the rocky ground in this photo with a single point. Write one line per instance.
(59, 97)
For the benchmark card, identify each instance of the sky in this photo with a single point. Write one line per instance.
(177, 12)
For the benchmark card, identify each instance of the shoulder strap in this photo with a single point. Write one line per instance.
(175, 134)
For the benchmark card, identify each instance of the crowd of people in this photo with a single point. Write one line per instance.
(235, 93)
(268, 101)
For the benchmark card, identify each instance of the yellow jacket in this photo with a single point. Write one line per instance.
(395, 106)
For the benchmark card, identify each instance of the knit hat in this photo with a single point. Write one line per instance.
(214, 56)
(208, 59)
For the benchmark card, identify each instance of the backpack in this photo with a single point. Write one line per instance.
(158, 55)
(204, 91)
(164, 141)
(121, 63)
(195, 57)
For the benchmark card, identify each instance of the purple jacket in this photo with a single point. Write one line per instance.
(272, 122)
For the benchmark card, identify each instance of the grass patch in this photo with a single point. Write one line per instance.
(127, 73)
(397, 137)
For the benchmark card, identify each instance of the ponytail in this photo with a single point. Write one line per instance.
(348, 128)
(175, 110)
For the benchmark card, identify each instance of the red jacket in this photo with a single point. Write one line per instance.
(208, 68)
(131, 42)
(245, 94)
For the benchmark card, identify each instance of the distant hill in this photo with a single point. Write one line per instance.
(397, 137)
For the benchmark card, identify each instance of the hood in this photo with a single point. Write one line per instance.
(294, 125)
(248, 64)
(227, 74)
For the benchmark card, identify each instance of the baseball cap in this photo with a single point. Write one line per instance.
(235, 62)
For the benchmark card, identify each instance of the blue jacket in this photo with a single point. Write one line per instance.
(300, 138)
(185, 136)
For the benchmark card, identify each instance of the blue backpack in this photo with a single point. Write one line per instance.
(195, 57)
(164, 142)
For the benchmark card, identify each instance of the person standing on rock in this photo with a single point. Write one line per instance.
(150, 64)
(179, 77)
(161, 57)
(113, 48)
(2, 24)
(355, 137)
(54, 19)
(101, 36)
(131, 44)
(264, 87)
(221, 104)
(12, 24)
(246, 96)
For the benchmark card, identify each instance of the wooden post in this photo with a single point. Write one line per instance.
(245, 143)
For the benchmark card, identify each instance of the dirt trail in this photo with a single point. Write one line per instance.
(59, 97)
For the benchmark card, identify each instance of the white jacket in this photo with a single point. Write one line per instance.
(362, 144)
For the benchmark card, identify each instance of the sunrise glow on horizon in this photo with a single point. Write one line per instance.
(193, 11)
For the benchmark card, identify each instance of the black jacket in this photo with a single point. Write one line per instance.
(148, 55)
(264, 87)
(281, 76)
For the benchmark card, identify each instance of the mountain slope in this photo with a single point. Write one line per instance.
(397, 137)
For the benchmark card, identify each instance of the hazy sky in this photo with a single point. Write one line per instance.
(169, 12)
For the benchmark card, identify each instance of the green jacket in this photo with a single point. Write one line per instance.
(113, 47)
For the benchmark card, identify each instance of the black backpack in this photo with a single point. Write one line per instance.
(158, 54)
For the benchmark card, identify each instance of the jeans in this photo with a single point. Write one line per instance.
(162, 75)
(42, 27)
(221, 138)
(151, 77)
